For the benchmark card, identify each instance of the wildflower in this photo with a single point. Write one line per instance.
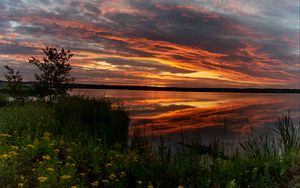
(150, 186)
(33, 170)
(41, 162)
(20, 185)
(72, 165)
(73, 186)
(56, 150)
(139, 182)
(180, 186)
(29, 146)
(12, 153)
(22, 177)
(42, 179)
(65, 177)
(95, 184)
(123, 174)
(69, 150)
(105, 181)
(112, 176)
(82, 174)
(50, 169)
(5, 135)
(14, 147)
(108, 165)
(46, 157)
(47, 136)
(4, 156)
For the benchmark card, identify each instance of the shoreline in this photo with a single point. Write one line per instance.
(182, 89)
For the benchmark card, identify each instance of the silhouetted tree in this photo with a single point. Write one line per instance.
(55, 73)
(14, 84)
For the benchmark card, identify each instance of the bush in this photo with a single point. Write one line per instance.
(3, 101)
(100, 118)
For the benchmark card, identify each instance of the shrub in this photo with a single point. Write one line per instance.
(100, 118)
(3, 100)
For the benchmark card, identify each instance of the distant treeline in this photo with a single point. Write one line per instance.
(184, 89)
(179, 89)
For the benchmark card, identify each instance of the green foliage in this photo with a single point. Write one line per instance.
(103, 119)
(55, 73)
(14, 84)
(285, 140)
(3, 100)
(288, 132)
(40, 148)
(260, 146)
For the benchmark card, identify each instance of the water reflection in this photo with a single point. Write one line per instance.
(209, 115)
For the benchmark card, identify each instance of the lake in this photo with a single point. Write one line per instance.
(201, 116)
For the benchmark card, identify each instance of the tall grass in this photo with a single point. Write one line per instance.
(288, 132)
(74, 118)
(284, 138)
(100, 118)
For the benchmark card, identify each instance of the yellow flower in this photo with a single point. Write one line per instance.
(5, 135)
(150, 186)
(33, 170)
(22, 177)
(12, 153)
(65, 177)
(112, 176)
(73, 186)
(95, 184)
(180, 186)
(69, 157)
(47, 136)
(46, 157)
(14, 147)
(105, 181)
(42, 179)
(20, 185)
(50, 169)
(73, 165)
(29, 146)
(139, 182)
(4, 156)
(56, 150)
(108, 165)
(123, 174)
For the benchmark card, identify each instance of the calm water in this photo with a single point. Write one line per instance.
(191, 116)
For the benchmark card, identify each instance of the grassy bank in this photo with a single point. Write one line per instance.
(79, 142)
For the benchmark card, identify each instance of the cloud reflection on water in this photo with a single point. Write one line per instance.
(211, 115)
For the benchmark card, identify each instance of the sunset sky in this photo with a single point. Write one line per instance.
(187, 43)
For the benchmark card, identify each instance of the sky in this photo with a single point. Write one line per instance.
(187, 43)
